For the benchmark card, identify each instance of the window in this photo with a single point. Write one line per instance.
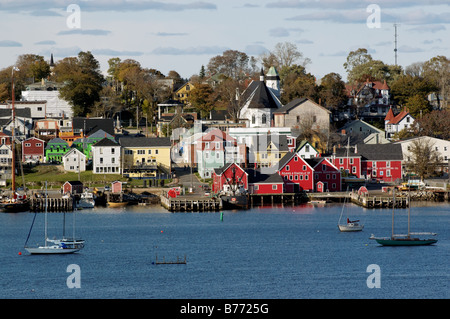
(27, 144)
(274, 187)
(290, 177)
(354, 169)
(253, 119)
(341, 161)
(140, 152)
(206, 144)
(298, 119)
(256, 187)
(156, 152)
(263, 119)
(38, 144)
(218, 145)
(304, 168)
(324, 167)
(295, 158)
(306, 177)
(101, 160)
(149, 152)
(388, 164)
(113, 160)
(351, 161)
(287, 167)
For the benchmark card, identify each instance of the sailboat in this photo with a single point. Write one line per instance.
(349, 226)
(17, 203)
(404, 239)
(56, 246)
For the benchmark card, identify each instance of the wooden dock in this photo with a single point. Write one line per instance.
(368, 201)
(273, 199)
(54, 204)
(190, 203)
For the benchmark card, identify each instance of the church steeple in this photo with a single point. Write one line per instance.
(52, 63)
(261, 75)
(273, 81)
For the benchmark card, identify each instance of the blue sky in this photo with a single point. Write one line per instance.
(182, 35)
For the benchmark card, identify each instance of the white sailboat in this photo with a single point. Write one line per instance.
(350, 225)
(55, 246)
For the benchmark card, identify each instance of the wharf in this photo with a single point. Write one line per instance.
(368, 201)
(190, 203)
(54, 204)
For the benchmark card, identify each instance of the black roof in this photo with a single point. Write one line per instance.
(255, 176)
(106, 142)
(376, 152)
(93, 125)
(144, 141)
(260, 96)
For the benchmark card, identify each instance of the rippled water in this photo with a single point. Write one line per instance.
(284, 252)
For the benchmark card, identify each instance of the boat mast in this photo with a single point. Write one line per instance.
(45, 227)
(13, 166)
(409, 208)
(393, 208)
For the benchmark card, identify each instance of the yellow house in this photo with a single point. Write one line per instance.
(275, 149)
(183, 92)
(145, 157)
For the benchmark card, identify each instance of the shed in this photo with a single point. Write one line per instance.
(72, 187)
(116, 187)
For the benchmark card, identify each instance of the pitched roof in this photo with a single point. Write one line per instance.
(258, 96)
(93, 125)
(144, 141)
(379, 152)
(256, 177)
(286, 159)
(105, 142)
(400, 116)
(295, 103)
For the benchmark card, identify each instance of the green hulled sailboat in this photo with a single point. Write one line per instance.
(404, 239)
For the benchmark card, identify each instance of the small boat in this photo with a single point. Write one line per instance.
(56, 246)
(86, 200)
(234, 201)
(117, 204)
(404, 239)
(350, 225)
(317, 202)
(16, 207)
(59, 246)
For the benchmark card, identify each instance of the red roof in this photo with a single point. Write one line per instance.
(397, 118)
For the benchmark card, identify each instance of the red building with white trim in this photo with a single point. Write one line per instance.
(33, 150)
(325, 173)
(296, 173)
(225, 177)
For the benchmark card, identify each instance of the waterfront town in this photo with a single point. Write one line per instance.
(264, 132)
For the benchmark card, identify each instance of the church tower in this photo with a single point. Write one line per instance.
(273, 82)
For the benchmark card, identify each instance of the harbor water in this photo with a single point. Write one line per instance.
(291, 252)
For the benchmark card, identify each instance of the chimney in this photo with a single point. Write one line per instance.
(356, 148)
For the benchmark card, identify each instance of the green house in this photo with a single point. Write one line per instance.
(55, 150)
(84, 145)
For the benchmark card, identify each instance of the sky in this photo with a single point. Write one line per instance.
(183, 35)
